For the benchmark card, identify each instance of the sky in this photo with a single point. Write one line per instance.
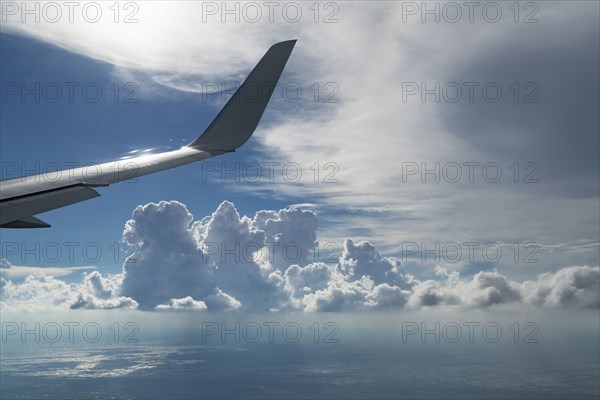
(416, 158)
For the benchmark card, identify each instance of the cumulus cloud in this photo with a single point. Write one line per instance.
(307, 279)
(356, 295)
(85, 301)
(291, 234)
(222, 301)
(261, 263)
(168, 263)
(37, 293)
(339, 295)
(361, 280)
(43, 292)
(362, 259)
(484, 289)
(431, 293)
(567, 287)
(387, 297)
(98, 292)
(211, 260)
(227, 261)
(187, 303)
(572, 286)
(489, 288)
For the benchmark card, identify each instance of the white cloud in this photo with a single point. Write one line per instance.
(291, 235)
(148, 45)
(38, 293)
(362, 259)
(168, 264)
(10, 271)
(187, 303)
(87, 301)
(340, 295)
(430, 293)
(210, 260)
(174, 269)
(490, 288)
(387, 297)
(230, 261)
(220, 300)
(43, 292)
(307, 279)
(362, 280)
(102, 292)
(572, 286)
(568, 287)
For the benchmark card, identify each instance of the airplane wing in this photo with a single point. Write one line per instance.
(23, 198)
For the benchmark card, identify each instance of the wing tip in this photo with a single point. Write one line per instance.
(291, 43)
(238, 119)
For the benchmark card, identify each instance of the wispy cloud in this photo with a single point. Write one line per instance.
(7, 270)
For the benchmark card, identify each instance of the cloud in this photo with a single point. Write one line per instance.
(187, 303)
(230, 261)
(387, 297)
(168, 263)
(144, 44)
(309, 278)
(93, 303)
(37, 293)
(98, 292)
(210, 260)
(568, 287)
(217, 263)
(340, 295)
(356, 295)
(291, 235)
(43, 292)
(362, 259)
(11, 271)
(489, 288)
(484, 289)
(429, 293)
(572, 286)
(362, 280)
(220, 300)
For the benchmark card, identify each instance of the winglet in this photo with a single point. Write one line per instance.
(238, 119)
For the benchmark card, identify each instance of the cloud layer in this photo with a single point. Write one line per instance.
(226, 261)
